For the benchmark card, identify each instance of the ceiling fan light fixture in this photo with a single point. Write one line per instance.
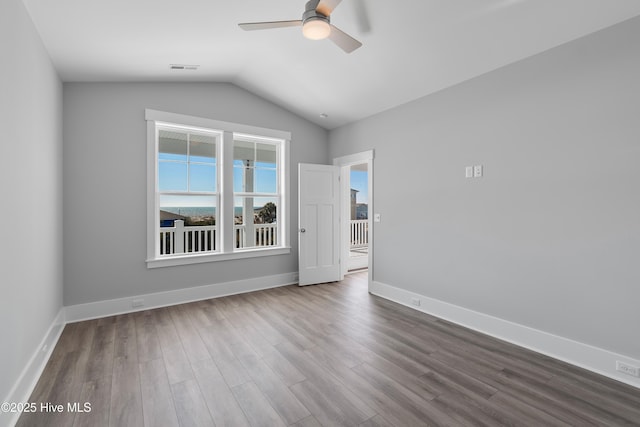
(315, 23)
(316, 29)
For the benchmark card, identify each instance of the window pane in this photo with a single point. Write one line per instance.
(202, 177)
(187, 224)
(265, 181)
(172, 176)
(193, 210)
(265, 208)
(255, 222)
(254, 207)
(238, 179)
(172, 145)
(255, 167)
(266, 155)
(202, 148)
(243, 150)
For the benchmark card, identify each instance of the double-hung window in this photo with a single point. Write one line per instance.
(187, 189)
(216, 190)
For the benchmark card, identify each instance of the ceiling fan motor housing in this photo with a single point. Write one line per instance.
(310, 13)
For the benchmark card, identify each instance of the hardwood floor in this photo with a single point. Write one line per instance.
(325, 355)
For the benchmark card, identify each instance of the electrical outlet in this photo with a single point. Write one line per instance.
(415, 301)
(625, 368)
(477, 171)
(137, 303)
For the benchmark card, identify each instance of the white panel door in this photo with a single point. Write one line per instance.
(318, 222)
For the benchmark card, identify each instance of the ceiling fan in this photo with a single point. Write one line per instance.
(316, 25)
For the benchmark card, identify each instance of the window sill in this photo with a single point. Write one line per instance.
(197, 259)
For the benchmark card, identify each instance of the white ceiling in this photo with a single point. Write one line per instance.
(411, 47)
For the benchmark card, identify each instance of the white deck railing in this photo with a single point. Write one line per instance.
(265, 235)
(359, 233)
(180, 239)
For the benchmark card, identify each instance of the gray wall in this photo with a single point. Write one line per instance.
(31, 201)
(105, 184)
(550, 236)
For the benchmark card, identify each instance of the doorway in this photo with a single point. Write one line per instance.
(356, 193)
(358, 226)
(335, 235)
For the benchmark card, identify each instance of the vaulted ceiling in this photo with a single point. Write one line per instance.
(411, 48)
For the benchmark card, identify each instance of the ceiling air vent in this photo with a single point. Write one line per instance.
(183, 67)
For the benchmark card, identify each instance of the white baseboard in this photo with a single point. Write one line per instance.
(576, 353)
(94, 310)
(30, 375)
(358, 262)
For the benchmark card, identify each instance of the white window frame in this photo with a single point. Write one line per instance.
(224, 209)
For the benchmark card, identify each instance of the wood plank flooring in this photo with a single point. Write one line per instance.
(325, 355)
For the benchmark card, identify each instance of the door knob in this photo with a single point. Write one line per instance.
(302, 230)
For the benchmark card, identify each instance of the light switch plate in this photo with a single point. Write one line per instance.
(468, 172)
(376, 217)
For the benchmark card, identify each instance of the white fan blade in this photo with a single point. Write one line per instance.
(325, 7)
(343, 40)
(250, 26)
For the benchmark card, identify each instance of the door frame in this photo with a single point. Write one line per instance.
(345, 163)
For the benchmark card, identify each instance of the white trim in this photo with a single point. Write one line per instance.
(225, 216)
(203, 122)
(26, 383)
(285, 192)
(357, 262)
(345, 215)
(93, 310)
(354, 159)
(187, 259)
(153, 217)
(370, 215)
(586, 356)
